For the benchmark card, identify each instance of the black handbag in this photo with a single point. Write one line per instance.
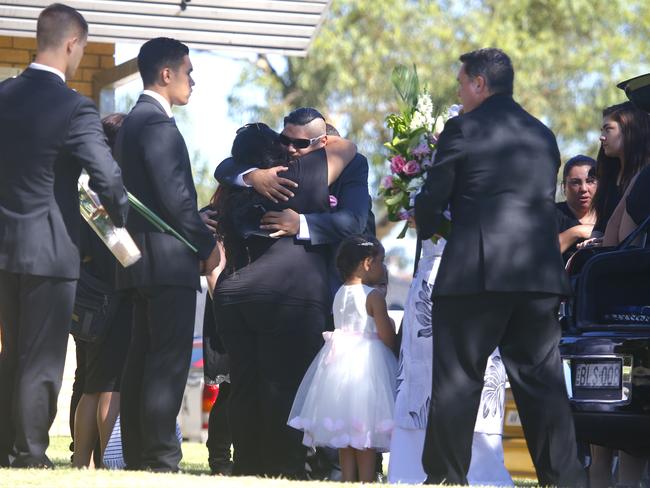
(94, 307)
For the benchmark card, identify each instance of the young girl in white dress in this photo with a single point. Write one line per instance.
(346, 399)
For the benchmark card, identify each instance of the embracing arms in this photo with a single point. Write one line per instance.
(340, 153)
(268, 183)
(351, 192)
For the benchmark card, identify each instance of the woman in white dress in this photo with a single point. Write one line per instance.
(414, 391)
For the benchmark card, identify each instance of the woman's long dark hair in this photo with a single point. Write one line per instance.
(635, 129)
(254, 145)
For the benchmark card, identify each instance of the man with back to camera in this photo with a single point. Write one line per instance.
(48, 133)
(163, 284)
(500, 276)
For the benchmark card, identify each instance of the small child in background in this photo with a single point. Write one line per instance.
(346, 399)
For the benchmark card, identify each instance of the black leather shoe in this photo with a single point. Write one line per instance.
(30, 462)
(223, 468)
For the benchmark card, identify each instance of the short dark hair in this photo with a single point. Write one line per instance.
(302, 116)
(353, 251)
(330, 130)
(56, 22)
(492, 64)
(111, 125)
(157, 54)
(579, 160)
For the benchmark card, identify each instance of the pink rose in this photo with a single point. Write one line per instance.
(411, 168)
(333, 201)
(387, 182)
(397, 164)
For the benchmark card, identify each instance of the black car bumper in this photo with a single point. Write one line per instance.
(617, 418)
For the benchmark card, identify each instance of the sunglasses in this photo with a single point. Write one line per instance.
(299, 143)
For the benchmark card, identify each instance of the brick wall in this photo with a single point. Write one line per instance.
(18, 52)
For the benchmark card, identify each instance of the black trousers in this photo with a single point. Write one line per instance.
(270, 346)
(219, 436)
(35, 316)
(155, 375)
(466, 330)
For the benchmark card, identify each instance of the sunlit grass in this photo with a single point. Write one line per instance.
(194, 466)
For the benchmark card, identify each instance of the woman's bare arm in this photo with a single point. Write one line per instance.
(570, 236)
(213, 276)
(339, 153)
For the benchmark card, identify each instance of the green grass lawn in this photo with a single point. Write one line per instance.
(194, 466)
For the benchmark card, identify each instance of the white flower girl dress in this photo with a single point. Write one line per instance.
(347, 396)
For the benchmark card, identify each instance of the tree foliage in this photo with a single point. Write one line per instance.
(568, 56)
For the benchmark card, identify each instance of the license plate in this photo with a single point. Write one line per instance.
(597, 374)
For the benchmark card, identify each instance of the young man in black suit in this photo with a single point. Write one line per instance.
(500, 277)
(163, 284)
(48, 133)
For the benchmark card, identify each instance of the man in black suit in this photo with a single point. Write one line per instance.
(500, 277)
(48, 134)
(163, 284)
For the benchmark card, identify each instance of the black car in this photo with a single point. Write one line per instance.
(605, 345)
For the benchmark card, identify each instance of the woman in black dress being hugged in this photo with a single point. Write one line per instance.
(271, 301)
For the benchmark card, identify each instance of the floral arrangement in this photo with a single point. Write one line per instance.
(413, 145)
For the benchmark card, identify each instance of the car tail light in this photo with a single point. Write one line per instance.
(210, 394)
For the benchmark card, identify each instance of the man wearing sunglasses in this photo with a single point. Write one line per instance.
(305, 130)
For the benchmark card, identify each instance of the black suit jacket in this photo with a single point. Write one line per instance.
(156, 168)
(496, 167)
(48, 133)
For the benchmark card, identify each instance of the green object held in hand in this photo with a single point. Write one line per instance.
(156, 221)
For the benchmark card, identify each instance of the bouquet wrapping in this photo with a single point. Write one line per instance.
(117, 239)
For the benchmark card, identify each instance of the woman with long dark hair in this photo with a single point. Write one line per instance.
(271, 301)
(624, 152)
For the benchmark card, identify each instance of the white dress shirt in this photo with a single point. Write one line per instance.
(161, 100)
(45, 67)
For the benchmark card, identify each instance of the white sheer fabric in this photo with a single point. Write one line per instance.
(346, 398)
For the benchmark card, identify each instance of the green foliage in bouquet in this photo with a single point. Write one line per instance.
(413, 143)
